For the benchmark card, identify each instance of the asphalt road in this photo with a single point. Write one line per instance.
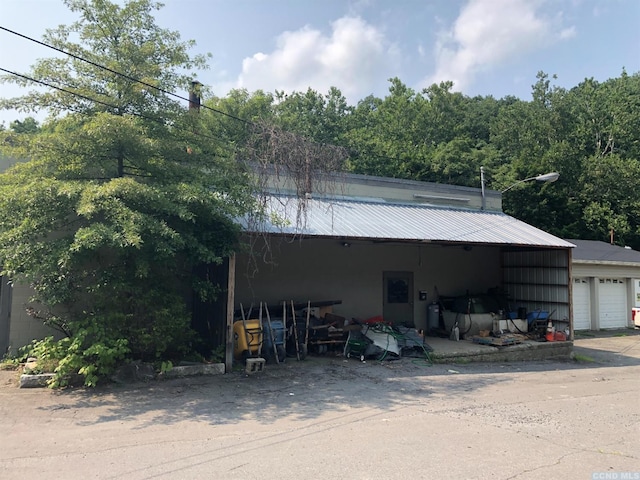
(331, 418)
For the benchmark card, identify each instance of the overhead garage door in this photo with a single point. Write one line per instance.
(613, 303)
(581, 304)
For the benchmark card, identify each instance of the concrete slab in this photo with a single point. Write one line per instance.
(445, 350)
(335, 418)
(191, 370)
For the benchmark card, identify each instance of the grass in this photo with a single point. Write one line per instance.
(583, 358)
(584, 334)
(9, 365)
(461, 361)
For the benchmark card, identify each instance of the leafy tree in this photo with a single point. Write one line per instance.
(228, 118)
(123, 194)
(313, 115)
(28, 125)
(384, 135)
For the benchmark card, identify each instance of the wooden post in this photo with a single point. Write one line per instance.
(284, 323)
(231, 291)
(271, 334)
(295, 330)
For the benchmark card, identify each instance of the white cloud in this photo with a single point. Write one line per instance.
(356, 58)
(490, 32)
(568, 33)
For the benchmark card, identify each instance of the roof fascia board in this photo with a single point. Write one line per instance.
(606, 262)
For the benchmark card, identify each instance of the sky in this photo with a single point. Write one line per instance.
(486, 47)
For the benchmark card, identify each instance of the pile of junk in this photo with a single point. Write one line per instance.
(491, 314)
(298, 330)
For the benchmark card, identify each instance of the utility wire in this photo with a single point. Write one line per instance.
(141, 115)
(47, 84)
(128, 77)
(124, 75)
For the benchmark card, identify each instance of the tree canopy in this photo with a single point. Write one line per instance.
(590, 134)
(122, 196)
(126, 192)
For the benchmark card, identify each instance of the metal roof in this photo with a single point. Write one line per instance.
(382, 220)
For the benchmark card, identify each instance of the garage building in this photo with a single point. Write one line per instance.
(605, 285)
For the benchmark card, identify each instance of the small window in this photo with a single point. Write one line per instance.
(397, 290)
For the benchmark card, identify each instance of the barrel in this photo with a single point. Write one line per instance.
(433, 317)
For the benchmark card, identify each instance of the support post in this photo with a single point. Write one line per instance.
(484, 198)
(231, 290)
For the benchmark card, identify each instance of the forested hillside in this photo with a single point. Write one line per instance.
(590, 134)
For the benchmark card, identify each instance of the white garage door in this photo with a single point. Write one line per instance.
(613, 303)
(581, 304)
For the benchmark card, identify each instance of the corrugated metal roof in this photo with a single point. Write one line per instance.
(344, 218)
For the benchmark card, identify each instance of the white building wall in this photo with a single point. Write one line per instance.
(635, 294)
(23, 327)
(353, 274)
(594, 272)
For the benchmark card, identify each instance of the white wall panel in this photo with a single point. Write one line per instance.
(322, 269)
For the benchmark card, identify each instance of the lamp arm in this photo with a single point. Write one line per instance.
(518, 183)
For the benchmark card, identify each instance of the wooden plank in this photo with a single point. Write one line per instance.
(231, 290)
(301, 305)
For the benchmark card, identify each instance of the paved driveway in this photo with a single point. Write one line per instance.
(335, 419)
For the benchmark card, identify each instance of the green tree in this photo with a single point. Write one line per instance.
(385, 135)
(28, 125)
(318, 117)
(605, 120)
(229, 118)
(123, 195)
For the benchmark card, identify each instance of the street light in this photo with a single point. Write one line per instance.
(546, 177)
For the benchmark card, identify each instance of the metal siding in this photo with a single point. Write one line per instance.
(538, 280)
(392, 221)
(603, 270)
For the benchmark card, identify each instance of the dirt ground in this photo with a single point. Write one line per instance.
(330, 417)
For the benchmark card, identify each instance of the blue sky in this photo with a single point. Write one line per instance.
(487, 47)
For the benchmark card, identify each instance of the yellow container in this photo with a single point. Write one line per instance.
(246, 343)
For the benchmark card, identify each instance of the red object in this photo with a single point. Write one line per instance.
(377, 319)
(560, 337)
(550, 337)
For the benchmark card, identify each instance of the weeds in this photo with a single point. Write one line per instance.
(578, 357)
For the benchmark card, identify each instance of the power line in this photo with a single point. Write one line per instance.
(124, 75)
(76, 94)
(141, 115)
